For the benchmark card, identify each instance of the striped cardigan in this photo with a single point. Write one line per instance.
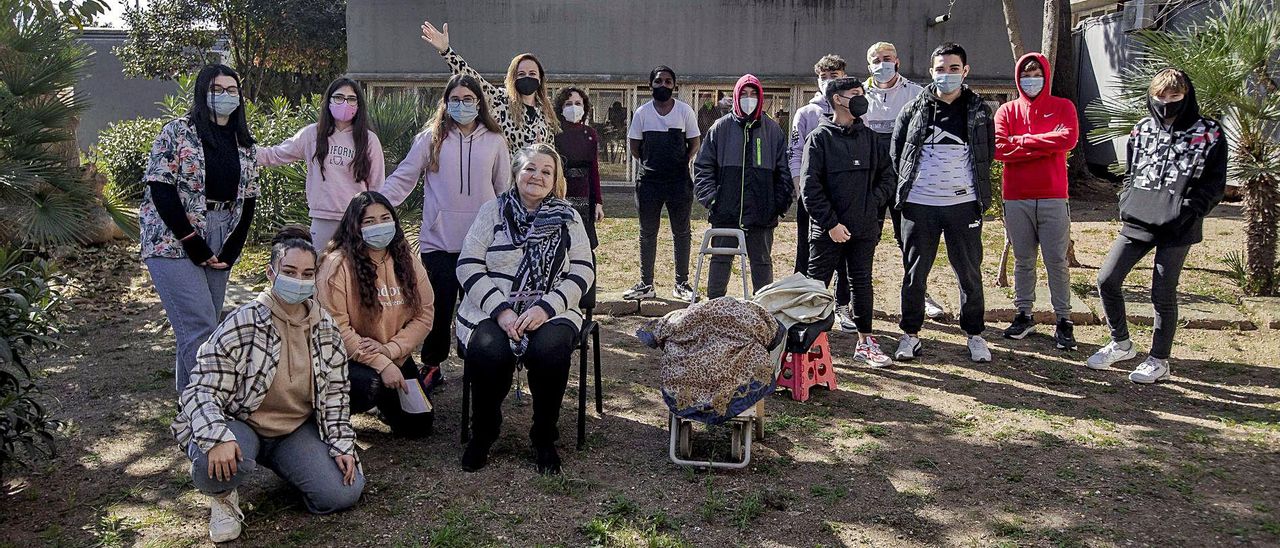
(487, 267)
(235, 368)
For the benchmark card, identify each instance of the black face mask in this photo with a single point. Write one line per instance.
(661, 93)
(526, 85)
(1169, 110)
(858, 105)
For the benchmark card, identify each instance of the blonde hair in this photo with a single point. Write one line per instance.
(516, 106)
(1170, 79)
(879, 47)
(526, 154)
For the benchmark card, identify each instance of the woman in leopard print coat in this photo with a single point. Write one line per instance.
(524, 91)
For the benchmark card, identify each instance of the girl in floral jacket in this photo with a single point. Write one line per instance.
(201, 185)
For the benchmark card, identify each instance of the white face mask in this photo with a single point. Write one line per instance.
(822, 86)
(572, 113)
(748, 104)
(884, 71)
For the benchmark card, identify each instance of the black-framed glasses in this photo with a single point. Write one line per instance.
(219, 90)
(339, 98)
(468, 101)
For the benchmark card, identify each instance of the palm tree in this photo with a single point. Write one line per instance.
(42, 197)
(1232, 58)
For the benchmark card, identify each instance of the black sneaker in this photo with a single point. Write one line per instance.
(432, 377)
(844, 315)
(547, 459)
(640, 291)
(1022, 326)
(1064, 334)
(476, 456)
(683, 292)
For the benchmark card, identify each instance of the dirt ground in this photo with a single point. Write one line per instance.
(1032, 449)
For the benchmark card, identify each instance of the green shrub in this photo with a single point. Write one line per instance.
(996, 209)
(121, 153)
(29, 301)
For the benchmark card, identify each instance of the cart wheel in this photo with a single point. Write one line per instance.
(737, 441)
(683, 443)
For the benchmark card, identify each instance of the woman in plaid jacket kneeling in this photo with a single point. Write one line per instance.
(270, 387)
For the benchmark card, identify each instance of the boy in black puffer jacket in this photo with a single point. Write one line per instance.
(1175, 174)
(847, 179)
(741, 177)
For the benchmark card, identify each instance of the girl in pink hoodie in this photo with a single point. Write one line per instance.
(344, 157)
(463, 161)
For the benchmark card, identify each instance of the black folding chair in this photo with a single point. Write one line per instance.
(588, 341)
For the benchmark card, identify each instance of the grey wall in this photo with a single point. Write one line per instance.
(598, 40)
(113, 97)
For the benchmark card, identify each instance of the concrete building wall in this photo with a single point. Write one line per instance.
(603, 41)
(112, 96)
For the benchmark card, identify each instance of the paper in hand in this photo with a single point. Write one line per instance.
(414, 400)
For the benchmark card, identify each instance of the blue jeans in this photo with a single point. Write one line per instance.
(192, 296)
(300, 458)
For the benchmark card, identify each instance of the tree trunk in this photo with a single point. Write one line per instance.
(1051, 33)
(1014, 27)
(1261, 213)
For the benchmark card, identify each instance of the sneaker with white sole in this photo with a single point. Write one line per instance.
(225, 517)
(978, 349)
(683, 292)
(1112, 353)
(1151, 370)
(908, 347)
(640, 291)
(1023, 325)
(844, 315)
(869, 352)
(932, 309)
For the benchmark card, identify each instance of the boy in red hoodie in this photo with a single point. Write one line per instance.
(1033, 135)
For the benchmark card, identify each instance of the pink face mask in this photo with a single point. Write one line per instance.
(343, 112)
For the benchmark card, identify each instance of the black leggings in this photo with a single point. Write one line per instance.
(442, 268)
(367, 392)
(492, 366)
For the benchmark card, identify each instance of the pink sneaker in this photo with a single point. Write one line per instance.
(869, 353)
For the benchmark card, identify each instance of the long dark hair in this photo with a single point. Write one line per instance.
(350, 240)
(202, 116)
(441, 124)
(326, 125)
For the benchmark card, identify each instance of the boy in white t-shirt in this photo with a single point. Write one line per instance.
(664, 137)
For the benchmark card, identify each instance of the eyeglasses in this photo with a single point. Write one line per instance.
(339, 98)
(468, 101)
(219, 90)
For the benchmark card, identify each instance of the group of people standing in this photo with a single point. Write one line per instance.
(511, 194)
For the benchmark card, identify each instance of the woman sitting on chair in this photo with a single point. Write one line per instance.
(524, 266)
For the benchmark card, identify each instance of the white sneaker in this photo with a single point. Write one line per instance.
(225, 517)
(1150, 371)
(978, 350)
(1110, 354)
(869, 353)
(640, 291)
(932, 309)
(908, 347)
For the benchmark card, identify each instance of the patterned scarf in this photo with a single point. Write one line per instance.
(544, 236)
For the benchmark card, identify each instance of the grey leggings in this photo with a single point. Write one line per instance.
(301, 458)
(1124, 255)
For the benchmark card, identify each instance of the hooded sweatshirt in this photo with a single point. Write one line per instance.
(288, 402)
(802, 124)
(328, 192)
(741, 174)
(885, 104)
(1174, 176)
(397, 326)
(1033, 136)
(473, 170)
(848, 179)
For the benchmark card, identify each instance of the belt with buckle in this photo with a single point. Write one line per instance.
(214, 205)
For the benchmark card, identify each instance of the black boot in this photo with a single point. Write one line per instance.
(476, 456)
(547, 459)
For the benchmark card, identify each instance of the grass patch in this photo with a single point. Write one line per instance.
(830, 494)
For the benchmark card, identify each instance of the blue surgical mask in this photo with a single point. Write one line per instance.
(462, 113)
(948, 83)
(884, 71)
(1032, 86)
(293, 290)
(379, 236)
(223, 104)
